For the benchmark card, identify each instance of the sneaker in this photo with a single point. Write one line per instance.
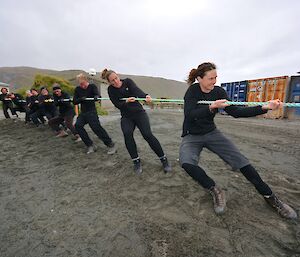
(219, 199)
(62, 133)
(166, 165)
(282, 208)
(137, 166)
(111, 149)
(77, 138)
(91, 149)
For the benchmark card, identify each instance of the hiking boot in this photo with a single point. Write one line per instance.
(282, 208)
(111, 149)
(219, 199)
(62, 133)
(137, 166)
(166, 165)
(91, 149)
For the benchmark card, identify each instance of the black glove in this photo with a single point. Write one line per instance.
(96, 98)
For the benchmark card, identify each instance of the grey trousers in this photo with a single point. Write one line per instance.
(192, 145)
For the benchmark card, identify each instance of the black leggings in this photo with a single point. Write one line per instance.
(248, 171)
(5, 107)
(141, 121)
(92, 119)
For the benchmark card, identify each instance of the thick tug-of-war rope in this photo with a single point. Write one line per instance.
(178, 101)
(181, 101)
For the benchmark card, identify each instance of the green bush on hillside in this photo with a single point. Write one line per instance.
(47, 81)
(22, 91)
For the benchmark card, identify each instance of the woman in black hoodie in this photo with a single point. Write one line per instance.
(133, 115)
(199, 131)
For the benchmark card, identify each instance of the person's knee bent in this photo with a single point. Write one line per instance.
(185, 165)
(148, 136)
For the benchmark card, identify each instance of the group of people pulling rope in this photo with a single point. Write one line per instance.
(201, 103)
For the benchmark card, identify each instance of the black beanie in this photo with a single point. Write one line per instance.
(56, 87)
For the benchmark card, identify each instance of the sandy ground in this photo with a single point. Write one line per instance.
(57, 201)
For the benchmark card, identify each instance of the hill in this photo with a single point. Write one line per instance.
(19, 77)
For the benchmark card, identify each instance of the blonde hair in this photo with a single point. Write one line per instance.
(81, 76)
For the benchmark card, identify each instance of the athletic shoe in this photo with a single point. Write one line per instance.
(282, 208)
(219, 199)
(77, 138)
(111, 149)
(62, 133)
(166, 165)
(137, 166)
(91, 149)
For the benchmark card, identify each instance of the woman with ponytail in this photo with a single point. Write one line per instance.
(133, 115)
(199, 131)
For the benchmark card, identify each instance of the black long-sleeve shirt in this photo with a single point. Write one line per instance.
(4, 100)
(90, 92)
(64, 107)
(44, 104)
(18, 101)
(128, 89)
(198, 119)
(33, 103)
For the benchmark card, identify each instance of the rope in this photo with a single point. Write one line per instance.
(181, 101)
(68, 100)
(178, 101)
(86, 99)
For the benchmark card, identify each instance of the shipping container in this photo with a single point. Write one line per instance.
(294, 97)
(263, 90)
(236, 91)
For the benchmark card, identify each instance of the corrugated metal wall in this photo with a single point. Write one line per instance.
(294, 97)
(263, 90)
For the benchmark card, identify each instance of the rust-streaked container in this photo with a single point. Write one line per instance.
(265, 89)
(294, 97)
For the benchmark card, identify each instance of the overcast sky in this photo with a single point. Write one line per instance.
(246, 39)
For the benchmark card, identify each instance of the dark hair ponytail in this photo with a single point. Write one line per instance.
(200, 71)
(192, 76)
(106, 73)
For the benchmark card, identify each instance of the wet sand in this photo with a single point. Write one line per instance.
(57, 201)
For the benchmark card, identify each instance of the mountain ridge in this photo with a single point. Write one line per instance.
(23, 76)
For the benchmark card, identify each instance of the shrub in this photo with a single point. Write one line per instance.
(47, 81)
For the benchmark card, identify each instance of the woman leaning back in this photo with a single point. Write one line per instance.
(199, 130)
(133, 115)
